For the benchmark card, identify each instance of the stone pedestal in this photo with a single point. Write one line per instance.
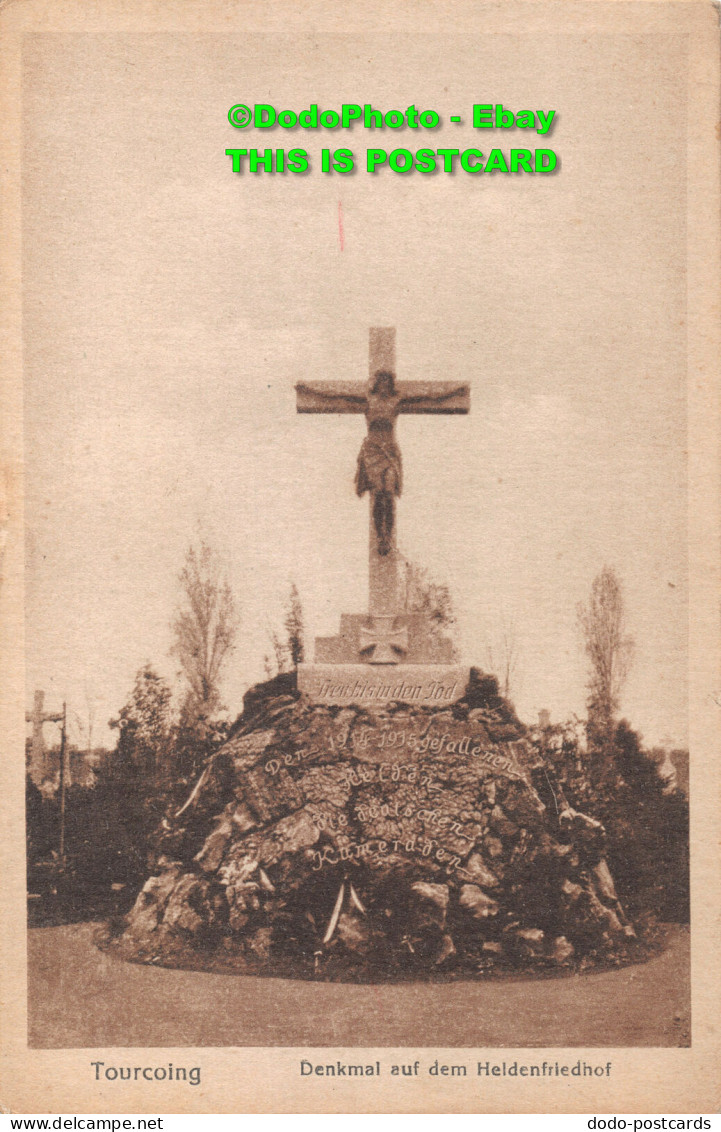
(408, 639)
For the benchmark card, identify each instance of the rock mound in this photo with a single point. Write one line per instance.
(397, 842)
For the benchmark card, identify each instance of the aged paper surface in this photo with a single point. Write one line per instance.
(159, 310)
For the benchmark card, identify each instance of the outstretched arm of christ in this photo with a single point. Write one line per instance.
(330, 397)
(430, 398)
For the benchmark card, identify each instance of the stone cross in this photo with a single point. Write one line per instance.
(38, 717)
(381, 641)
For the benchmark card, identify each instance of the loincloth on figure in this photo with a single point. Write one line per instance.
(379, 466)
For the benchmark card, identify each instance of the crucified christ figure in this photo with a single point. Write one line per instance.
(379, 469)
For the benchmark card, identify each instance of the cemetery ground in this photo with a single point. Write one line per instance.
(85, 995)
(81, 997)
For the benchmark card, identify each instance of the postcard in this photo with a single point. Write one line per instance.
(360, 650)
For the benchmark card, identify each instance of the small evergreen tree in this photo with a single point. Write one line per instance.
(294, 628)
(145, 726)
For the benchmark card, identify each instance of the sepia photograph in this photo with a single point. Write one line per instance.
(362, 453)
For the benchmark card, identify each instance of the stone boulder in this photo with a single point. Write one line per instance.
(400, 841)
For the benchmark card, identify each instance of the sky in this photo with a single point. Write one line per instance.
(170, 306)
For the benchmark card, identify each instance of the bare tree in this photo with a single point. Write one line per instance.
(609, 649)
(420, 593)
(85, 721)
(503, 656)
(205, 628)
(281, 657)
(288, 651)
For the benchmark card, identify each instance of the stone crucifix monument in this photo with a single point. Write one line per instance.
(411, 829)
(356, 665)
